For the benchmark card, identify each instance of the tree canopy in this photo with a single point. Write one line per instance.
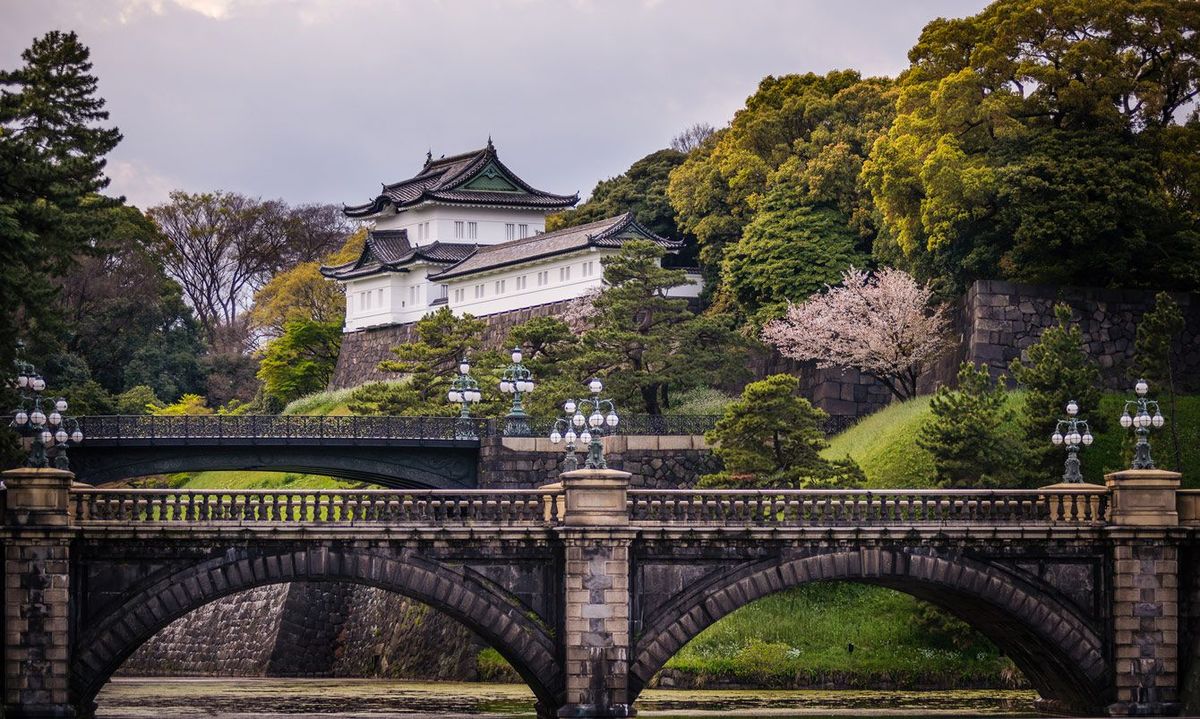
(1045, 142)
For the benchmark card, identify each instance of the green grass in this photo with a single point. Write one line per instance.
(885, 443)
(700, 401)
(258, 480)
(802, 637)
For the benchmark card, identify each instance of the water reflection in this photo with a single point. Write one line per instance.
(156, 698)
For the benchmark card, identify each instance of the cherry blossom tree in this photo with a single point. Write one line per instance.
(881, 324)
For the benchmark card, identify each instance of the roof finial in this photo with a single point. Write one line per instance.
(490, 147)
(429, 156)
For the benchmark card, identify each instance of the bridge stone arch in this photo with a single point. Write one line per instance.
(1061, 653)
(487, 609)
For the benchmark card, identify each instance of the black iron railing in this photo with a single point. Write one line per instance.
(216, 427)
(281, 427)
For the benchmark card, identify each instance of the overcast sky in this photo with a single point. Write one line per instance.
(321, 100)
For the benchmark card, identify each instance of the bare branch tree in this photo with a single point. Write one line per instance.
(692, 137)
(881, 324)
(222, 247)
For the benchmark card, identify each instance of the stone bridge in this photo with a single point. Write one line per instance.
(587, 587)
(399, 452)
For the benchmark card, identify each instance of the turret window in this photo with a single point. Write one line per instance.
(458, 229)
(510, 231)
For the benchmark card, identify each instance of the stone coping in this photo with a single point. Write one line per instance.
(617, 444)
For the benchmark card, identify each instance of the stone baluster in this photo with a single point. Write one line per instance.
(37, 540)
(597, 538)
(1145, 534)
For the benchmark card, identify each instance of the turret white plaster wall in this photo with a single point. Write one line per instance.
(440, 221)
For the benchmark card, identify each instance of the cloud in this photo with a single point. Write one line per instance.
(141, 185)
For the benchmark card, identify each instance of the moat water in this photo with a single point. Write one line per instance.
(158, 698)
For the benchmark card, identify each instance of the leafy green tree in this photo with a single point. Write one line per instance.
(124, 317)
(642, 190)
(138, 399)
(88, 398)
(1034, 141)
(301, 360)
(1055, 371)
(966, 433)
(645, 343)
(303, 293)
(790, 250)
(772, 437)
(192, 405)
(1156, 355)
(810, 132)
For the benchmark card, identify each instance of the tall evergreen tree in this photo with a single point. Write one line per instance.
(646, 343)
(1056, 371)
(1159, 336)
(51, 168)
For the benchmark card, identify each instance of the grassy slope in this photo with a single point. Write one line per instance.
(884, 444)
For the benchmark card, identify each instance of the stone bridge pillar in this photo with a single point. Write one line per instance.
(597, 538)
(1143, 529)
(36, 593)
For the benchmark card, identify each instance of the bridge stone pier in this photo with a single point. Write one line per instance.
(589, 586)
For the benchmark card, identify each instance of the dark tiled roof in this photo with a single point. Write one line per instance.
(443, 180)
(612, 233)
(390, 250)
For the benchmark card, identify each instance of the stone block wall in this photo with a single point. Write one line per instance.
(363, 350)
(997, 321)
(665, 462)
(308, 629)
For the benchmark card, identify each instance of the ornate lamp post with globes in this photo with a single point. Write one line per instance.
(50, 433)
(1073, 432)
(464, 391)
(517, 380)
(593, 417)
(1143, 416)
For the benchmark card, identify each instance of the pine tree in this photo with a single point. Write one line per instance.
(646, 343)
(966, 433)
(51, 167)
(772, 437)
(428, 364)
(1056, 371)
(1155, 357)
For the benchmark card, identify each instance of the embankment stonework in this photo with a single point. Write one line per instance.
(656, 462)
(993, 322)
(307, 629)
(363, 350)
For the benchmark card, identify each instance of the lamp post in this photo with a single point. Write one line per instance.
(464, 391)
(1141, 420)
(1073, 432)
(593, 417)
(52, 432)
(517, 380)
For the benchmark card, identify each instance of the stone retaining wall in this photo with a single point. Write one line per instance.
(656, 462)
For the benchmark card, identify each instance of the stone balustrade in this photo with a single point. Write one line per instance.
(533, 507)
(851, 507)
